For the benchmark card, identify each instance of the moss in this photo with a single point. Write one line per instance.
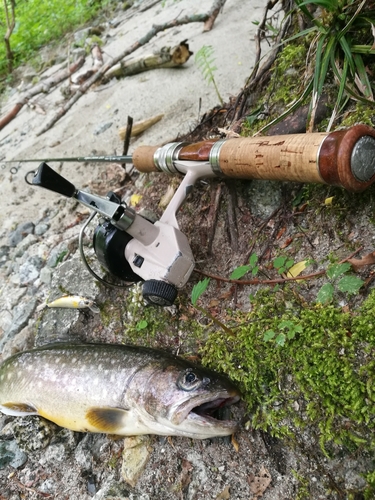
(361, 113)
(320, 383)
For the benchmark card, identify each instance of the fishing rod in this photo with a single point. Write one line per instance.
(134, 249)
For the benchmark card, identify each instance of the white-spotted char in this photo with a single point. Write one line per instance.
(116, 389)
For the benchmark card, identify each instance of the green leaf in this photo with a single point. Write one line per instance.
(254, 271)
(325, 294)
(286, 324)
(337, 270)
(350, 284)
(279, 262)
(268, 335)
(280, 339)
(141, 325)
(198, 289)
(239, 272)
(253, 259)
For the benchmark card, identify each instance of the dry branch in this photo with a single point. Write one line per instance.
(195, 18)
(166, 57)
(139, 127)
(44, 86)
(97, 62)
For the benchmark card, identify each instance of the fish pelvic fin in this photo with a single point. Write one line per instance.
(18, 409)
(108, 420)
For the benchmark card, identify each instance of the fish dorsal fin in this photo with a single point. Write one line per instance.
(18, 409)
(108, 420)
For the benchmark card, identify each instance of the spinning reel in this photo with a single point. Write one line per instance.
(134, 249)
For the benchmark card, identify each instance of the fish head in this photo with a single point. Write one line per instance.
(183, 399)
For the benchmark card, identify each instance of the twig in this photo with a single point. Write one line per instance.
(142, 41)
(259, 72)
(213, 216)
(257, 281)
(232, 220)
(215, 320)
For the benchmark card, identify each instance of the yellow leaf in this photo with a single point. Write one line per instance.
(135, 199)
(297, 269)
(329, 201)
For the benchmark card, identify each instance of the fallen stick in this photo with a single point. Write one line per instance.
(139, 127)
(97, 62)
(44, 86)
(166, 57)
(195, 18)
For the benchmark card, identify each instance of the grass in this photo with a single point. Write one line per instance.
(40, 22)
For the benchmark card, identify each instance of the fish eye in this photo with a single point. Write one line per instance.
(188, 380)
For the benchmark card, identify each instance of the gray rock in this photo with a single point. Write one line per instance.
(54, 453)
(48, 486)
(57, 255)
(21, 315)
(264, 197)
(31, 433)
(10, 454)
(29, 271)
(4, 254)
(41, 228)
(102, 127)
(20, 233)
(46, 275)
(25, 244)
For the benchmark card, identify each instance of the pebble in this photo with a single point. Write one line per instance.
(10, 454)
(22, 230)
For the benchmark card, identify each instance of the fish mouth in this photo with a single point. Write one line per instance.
(211, 412)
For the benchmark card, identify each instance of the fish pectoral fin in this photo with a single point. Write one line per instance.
(109, 420)
(18, 409)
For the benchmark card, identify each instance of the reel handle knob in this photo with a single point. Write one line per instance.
(47, 178)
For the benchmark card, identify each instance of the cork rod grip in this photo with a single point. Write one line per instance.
(143, 159)
(281, 157)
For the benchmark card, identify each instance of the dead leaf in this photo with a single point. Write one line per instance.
(297, 269)
(281, 232)
(224, 495)
(286, 243)
(235, 444)
(135, 199)
(259, 484)
(328, 201)
(367, 260)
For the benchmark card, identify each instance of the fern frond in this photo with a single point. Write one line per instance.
(205, 59)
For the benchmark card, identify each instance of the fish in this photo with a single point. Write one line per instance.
(118, 389)
(74, 302)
